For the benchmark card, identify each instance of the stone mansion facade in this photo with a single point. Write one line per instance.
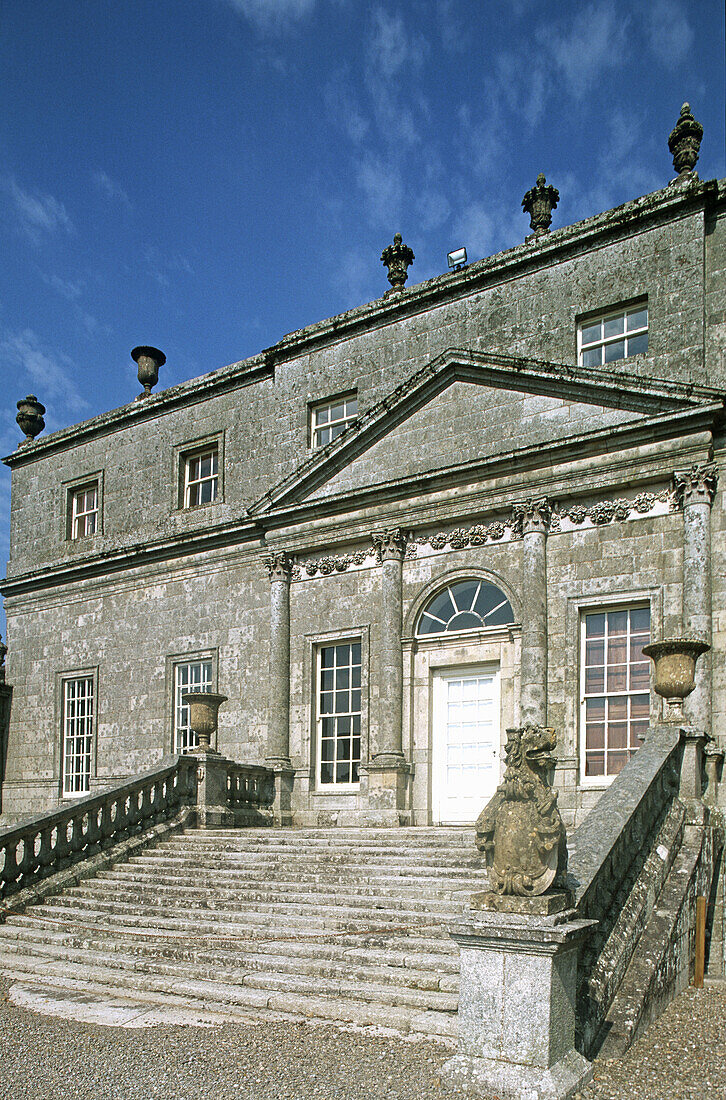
(462, 507)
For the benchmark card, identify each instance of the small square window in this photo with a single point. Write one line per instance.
(329, 420)
(201, 477)
(619, 334)
(84, 510)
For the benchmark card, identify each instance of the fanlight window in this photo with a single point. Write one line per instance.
(465, 605)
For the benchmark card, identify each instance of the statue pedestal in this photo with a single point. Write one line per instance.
(517, 1007)
(213, 810)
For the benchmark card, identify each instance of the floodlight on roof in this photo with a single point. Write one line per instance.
(456, 259)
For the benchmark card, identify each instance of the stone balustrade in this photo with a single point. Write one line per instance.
(52, 842)
(250, 792)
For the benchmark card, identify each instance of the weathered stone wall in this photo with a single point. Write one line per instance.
(127, 626)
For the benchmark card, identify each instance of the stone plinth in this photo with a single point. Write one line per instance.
(212, 805)
(284, 783)
(387, 791)
(517, 1007)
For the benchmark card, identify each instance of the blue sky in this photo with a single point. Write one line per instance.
(208, 175)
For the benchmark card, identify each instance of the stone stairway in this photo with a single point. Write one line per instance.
(341, 925)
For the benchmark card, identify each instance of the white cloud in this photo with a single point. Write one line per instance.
(668, 32)
(65, 287)
(37, 213)
(590, 44)
(343, 109)
(112, 190)
(273, 15)
(163, 266)
(49, 373)
(390, 45)
(382, 185)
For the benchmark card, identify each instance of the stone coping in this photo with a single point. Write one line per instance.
(673, 201)
(593, 843)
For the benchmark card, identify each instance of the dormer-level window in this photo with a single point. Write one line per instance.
(616, 335)
(330, 419)
(201, 477)
(84, 511)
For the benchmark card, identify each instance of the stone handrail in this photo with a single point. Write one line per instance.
(608, 853)
(52, 841)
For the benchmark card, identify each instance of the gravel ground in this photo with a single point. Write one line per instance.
(682, 1057)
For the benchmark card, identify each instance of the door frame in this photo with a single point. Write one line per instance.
(439, 677)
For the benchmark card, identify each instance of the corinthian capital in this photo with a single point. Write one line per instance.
(697, 485)
(279, 565)
(531, 515)
(390, 545)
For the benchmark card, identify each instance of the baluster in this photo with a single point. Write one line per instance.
(10, 865)
(45, 850)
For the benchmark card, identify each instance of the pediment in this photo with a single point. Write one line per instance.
(465, 407)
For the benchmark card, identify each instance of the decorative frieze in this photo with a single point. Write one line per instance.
(610, 511)
(533, 514)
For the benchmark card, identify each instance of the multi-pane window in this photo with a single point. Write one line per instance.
(189, 676)
(201, 477)
(339, 712)
(613, 336)
(84, 511)
(77, 735)
(329, 420)
(616, 688)
(465, 605)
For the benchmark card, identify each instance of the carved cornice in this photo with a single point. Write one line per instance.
(532, 516)
(279, 565)
(390, 545)
(697, 485)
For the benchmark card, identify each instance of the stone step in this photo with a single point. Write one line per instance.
(127, 968)
(318, 908)
(401, 838)
(364, 881)
(271, 894)
(239, 924)
(422, 972)
(423, 863)
(391, 948)
(232, 1003)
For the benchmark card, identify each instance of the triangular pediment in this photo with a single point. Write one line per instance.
(465, 407)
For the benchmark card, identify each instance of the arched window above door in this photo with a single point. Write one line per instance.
(465, 605)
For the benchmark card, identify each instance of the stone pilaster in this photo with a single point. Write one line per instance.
(532, 518)
(388, 774)
(391, 549)
(279, 566)
(696, 488)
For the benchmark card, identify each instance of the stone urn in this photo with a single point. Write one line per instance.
(685, 142)
(148, 360)
(675, 670)
(539, 202)
(397, 257)
(203, 709)
(30, 417)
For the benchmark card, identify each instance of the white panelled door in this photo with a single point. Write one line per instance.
(465, 758)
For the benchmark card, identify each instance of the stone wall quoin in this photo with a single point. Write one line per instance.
(695, 491)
